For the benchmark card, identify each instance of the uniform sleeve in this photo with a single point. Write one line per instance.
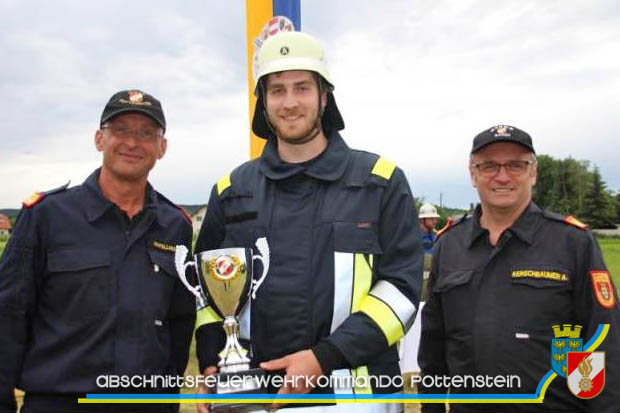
(431, 354)
(387, 312)
(182, 315)
(21, 261)
(594, 308)
(210, 338)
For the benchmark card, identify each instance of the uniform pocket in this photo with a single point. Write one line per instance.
(77, 259)
(542, 297)
(78, 284)
(356, 237)
(240, 220)
(458, 304)
(163, 262)
(449, 280)
(159, 286)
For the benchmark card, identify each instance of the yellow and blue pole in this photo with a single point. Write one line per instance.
(258, 14)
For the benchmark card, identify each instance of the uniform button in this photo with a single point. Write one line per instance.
(156, 268)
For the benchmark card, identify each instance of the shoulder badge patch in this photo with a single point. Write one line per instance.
(185, 214)
(383, 168)
(445, 228)
(603, 289)
(223, 184)
(36, 197)
(449, 224)
(571, 220)
(33, 199)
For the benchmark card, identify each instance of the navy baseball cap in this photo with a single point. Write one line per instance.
(134, 101)
(502, 133)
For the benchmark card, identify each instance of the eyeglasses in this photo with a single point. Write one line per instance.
(124, 132)
(514, 168)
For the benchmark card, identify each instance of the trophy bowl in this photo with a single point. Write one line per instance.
(225, 282)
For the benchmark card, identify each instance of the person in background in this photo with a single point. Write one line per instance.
(428, 220)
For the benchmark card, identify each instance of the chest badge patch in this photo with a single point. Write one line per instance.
(566, 339)
(538, 274)
(603, 289)
(164, 247)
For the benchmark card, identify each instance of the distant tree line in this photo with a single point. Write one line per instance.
(573, 187)
(566, 186)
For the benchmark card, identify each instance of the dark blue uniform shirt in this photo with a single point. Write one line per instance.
(85, 292)
(491, 310)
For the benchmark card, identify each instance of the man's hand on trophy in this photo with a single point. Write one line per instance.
(203, 389)
(302, 372)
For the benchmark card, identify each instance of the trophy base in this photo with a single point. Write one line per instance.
(241, 382)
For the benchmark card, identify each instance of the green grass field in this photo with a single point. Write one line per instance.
(611, 254)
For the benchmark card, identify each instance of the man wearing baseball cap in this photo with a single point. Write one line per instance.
(88, 289)
(519, 293)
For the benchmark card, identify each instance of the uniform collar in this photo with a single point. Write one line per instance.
(96, 204)
(523, 228)
(528, 223)
(475, 230)
(328, 166)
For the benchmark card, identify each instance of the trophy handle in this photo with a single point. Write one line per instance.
(263, 249)
(179, 261)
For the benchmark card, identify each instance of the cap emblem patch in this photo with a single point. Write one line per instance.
(501, 131)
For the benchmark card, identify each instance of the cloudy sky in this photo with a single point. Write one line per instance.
(415, 81)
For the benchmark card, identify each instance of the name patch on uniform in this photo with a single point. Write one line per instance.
(164, 247)
(603, 289)
(540, 274)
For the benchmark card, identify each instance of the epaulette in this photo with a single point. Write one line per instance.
(240, 181)
(384, 168)
(567, 219)
(172, 204)
(451, 223)
(571, 220)
(185, 214)
(223, 184)
(37, 197)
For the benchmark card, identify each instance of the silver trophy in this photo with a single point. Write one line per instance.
(225, 281)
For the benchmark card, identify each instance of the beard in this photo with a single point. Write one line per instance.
(305, 135)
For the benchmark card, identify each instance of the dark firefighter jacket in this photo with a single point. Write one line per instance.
(492, 310)
(346, 258)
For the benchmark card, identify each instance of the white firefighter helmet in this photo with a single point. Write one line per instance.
(428, 211)
(293, 51)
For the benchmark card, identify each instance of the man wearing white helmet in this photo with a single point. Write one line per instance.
(428, 219)
(345, 265)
